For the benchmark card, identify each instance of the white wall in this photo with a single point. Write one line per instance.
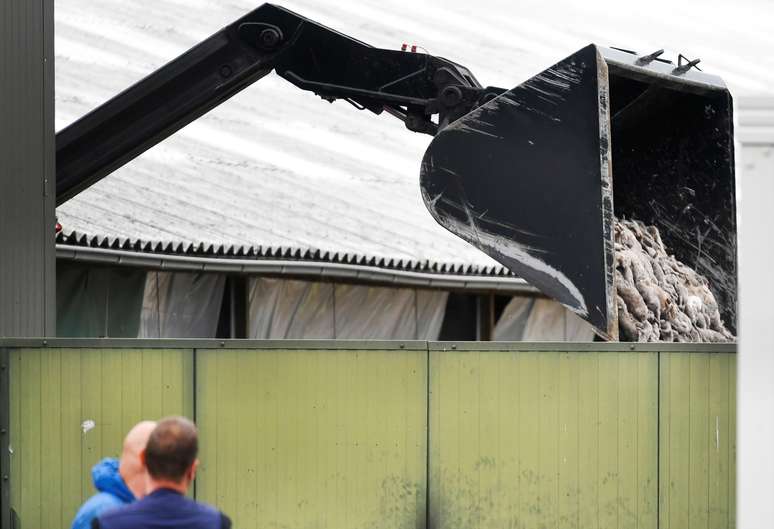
(755, 405)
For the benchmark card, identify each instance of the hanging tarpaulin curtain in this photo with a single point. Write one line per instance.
(431, 309)
(279, 309)
(181, 305)
(97, 301)
(375, 312)
(282, 309)
(540, 320)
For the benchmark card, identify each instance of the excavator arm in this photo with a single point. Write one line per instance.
(415, 87)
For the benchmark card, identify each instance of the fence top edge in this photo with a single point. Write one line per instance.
(363, 345)
(585, 347)
(204, 343)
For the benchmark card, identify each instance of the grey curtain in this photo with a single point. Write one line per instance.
(280, 309)
(181, 305)
(97, 301)
(540, 320)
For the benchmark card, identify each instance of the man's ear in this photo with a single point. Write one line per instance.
(192, 471)
(142, 458)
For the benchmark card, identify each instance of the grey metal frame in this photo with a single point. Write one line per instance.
(374, 345)
(27, 138)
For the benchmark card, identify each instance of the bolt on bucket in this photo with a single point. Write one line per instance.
(536, 177)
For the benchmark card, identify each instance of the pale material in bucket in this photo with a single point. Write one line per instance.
(659, 298)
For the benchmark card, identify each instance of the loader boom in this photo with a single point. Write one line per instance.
(411, 86)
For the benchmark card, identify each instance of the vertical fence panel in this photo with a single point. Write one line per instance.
(699, 439)
(647, 430)
(72, 435)
(732, 441)
(569, 455)
(548, 434)
(719, 417)
(698, 425)
(17, 469)
(32, 414)
(55, 393)
(91, 410)
(588, 440)
(318, 439)
(526, 441)
(576, 439)
(51, 435)
(489, 440)
(5, 442)
(628, 422)
(112, 399)
(607, 442)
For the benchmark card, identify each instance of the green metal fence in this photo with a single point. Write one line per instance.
(365, 435)
(554, 439)
(56, 395)
(697, 462)
(314, 439)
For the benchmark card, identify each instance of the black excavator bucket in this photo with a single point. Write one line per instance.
(536, 177)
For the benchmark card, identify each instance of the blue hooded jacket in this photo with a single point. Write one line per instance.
(112, 493)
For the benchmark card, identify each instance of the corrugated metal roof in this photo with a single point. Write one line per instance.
(276, 171)
(275, 253)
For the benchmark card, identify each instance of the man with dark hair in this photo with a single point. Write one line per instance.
(170, 458)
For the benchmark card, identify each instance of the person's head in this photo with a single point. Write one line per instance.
(130, 466)
(170, 455)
